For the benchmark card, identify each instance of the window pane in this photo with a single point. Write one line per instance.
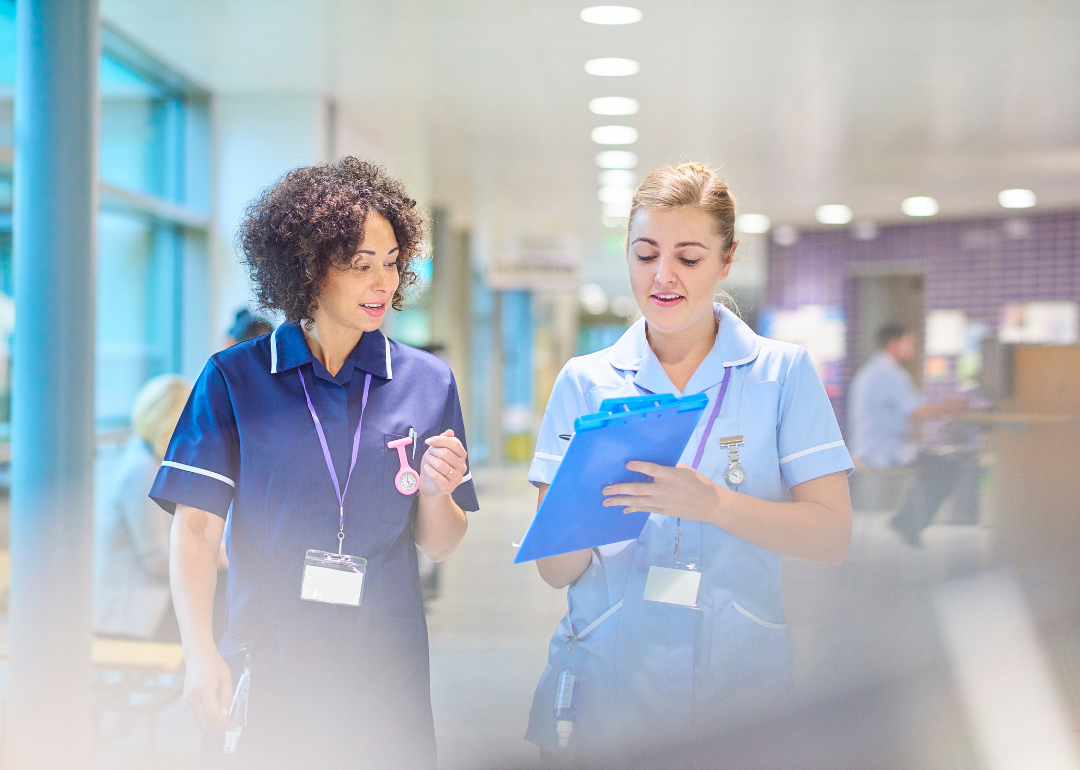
(136, 122)
(137, 309)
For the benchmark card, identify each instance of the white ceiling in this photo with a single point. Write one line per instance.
(862, 102)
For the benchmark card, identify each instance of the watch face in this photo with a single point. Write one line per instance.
(407, 480)
(736, 475)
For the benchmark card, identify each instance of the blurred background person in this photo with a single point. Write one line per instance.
(886, 408)
(247, 326)
(131, 538)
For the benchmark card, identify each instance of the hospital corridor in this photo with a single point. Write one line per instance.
(548, 384)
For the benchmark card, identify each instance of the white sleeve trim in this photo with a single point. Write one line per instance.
(200, 471)
(466, 477)
(811, 450)
(756, 619)
(389, 369)
(546, 456)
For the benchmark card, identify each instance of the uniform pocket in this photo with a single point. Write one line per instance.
(397, 506)
(764, 651)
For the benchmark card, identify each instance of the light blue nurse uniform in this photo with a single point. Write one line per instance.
(654, 669)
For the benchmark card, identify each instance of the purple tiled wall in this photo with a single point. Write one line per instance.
(976, 265)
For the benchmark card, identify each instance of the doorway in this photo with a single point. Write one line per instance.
(884, 298)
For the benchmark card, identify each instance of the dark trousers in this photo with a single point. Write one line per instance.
(939, 475)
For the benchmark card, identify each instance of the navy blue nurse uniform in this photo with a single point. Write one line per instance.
(327, 682)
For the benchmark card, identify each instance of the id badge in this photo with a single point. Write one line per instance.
(333, 579)
(676, 584)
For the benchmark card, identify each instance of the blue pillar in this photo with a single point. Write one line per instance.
(52, 392)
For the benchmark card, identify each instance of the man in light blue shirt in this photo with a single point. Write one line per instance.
(884, 407)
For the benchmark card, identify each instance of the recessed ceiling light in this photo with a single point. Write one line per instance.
(614, 135)
(833, 214)
(617, 177)
(613, 105)
(1016, 199)
(616, 159)
(616, 195)
(612, 68)
(594, 298)
(752, 224)
(611, 14)
(920, 206)
(617, 210)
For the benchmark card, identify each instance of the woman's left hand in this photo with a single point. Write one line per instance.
(443, 466)
(680, 491)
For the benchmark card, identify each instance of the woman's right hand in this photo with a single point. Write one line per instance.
(208, 690)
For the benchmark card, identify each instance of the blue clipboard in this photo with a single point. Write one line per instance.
(572, 517)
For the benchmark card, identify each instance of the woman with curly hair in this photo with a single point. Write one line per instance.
(334, 452)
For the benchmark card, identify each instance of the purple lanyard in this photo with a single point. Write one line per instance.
(330, 461)
(701, 445)
(712, 418)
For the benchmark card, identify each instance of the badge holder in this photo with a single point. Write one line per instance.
(333, 578)
(676, 582)
(406, 480)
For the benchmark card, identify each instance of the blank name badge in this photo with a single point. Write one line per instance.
(333, 579)
(672, 586)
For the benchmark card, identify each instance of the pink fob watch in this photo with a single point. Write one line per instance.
(406, 479)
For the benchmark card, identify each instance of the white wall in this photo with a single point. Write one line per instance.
(258, 137)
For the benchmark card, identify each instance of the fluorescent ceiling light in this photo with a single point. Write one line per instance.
(920, 206)
(617, 177)
(615, 195)
(613, 105)
(1016, 199)
(614, 135)
(616, 159)
(833, 214)
(752, 223)
(611, 14)
(594, 298)
(611, 68)
(617, 210)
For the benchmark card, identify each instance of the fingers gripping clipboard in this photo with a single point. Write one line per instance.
(572, 517)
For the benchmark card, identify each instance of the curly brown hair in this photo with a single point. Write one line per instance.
(312, 219)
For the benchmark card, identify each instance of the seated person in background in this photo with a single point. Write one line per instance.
(884, 407)
(131, 533)
(247, 326)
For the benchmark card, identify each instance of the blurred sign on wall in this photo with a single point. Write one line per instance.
(818, 328)
(1044, 323)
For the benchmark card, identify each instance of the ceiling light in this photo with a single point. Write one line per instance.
(617, 177)
(615, 195)
(617, 210)
(1016, 199)
(613, 105)
(614, 135)
(616, 159)
(611, 68)
(920, 206)
(611, 14)
(594, 298)
(752, 224)
(833, 214)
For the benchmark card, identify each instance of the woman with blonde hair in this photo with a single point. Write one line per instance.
(630, 663)
(131, 566)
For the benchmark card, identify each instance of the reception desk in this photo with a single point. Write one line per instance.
(1034, 437)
